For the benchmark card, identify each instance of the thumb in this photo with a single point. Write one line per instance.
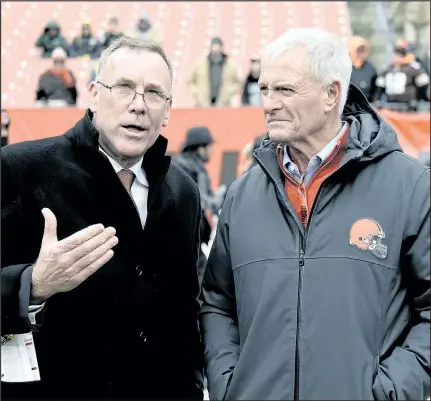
(50, 231)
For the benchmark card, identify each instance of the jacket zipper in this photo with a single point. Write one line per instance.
(298, 317)
(301, 261)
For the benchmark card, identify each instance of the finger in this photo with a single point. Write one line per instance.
(95, 254)
(80, 237)
(96, 265)
(50, 229)
(90, 245)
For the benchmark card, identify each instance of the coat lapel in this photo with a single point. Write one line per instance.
(112, 200)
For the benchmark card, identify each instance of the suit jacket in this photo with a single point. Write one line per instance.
(130, 330)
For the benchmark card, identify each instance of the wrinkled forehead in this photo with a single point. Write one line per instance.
(291, 66)
(141, 67)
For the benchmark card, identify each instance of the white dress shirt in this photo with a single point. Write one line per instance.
(139, 192)
(139, 188)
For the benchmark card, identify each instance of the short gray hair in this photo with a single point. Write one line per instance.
(132, 44)
(328, 56)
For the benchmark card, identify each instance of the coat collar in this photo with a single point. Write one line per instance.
(85, 138)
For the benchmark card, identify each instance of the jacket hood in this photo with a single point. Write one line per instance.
(355, 43)
(370, 137)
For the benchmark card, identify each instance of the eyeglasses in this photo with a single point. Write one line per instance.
(152, 98)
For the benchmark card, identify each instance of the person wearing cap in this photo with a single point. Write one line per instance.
(251, 92)
(214, 80)
(85, 44)
(195, 153)
(405, 82)
(50, 39)
(58, 83)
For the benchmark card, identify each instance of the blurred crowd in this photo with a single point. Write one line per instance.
(402, 86)
(57, 85)
(214, 80)
(87, 43)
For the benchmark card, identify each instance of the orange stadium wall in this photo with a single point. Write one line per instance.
(231, 128)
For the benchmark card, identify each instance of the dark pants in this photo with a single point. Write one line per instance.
(4, 141)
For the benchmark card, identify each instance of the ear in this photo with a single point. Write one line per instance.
(333, 96)
(94, 95)
(167, 113)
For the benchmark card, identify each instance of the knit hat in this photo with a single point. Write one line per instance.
(217, 41)
(197, 136)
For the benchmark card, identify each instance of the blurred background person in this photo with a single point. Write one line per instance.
(51, 39)
(251, 92)
(248, 159)
(195, 154)
(404, 83)
(111, 33)
(364, 74)
(144, 29)
(85, 44)
(426, 55)
(214, 80)
(5, 123)
(57, 86)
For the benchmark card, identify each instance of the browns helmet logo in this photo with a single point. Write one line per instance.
(367, 235)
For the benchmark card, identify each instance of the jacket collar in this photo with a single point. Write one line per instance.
(85, 137)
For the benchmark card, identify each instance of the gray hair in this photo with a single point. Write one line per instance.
(328, 56)
(132, 44)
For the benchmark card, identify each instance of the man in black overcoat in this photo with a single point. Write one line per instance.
(99, 245)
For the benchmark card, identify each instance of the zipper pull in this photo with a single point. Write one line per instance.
(301, 257)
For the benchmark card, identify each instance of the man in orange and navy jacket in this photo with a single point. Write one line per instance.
(317, 286)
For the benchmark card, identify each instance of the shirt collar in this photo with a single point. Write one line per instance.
(136, 168)
(318, 159)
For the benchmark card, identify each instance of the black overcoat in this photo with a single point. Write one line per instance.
(130, 331)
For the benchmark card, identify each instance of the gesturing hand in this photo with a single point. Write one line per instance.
(63, 265)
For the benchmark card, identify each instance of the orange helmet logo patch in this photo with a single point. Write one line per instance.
(367, 235)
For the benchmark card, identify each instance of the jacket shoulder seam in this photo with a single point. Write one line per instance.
(412, 160)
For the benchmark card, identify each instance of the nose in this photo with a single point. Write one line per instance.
(138, 105)
(270, 103)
